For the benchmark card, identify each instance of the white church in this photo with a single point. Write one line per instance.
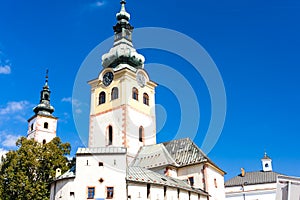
(123, 160)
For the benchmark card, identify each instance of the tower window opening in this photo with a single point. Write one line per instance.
(46, 96)
(266, 165)
(101, 98)
(31, 127)
(110, 135)
(135, 94)
(46, 125)
(141, 134)
(114, 93)
(146, 99)
(44, 141)
(165, 191)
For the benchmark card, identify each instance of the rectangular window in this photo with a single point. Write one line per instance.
(91, 192)
(148, 190)
(191, 180)
(110, 192)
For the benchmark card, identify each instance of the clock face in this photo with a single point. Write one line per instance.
(141, 79)
(108, 78)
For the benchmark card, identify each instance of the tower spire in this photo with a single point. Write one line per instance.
(123, 54)
(44, 107)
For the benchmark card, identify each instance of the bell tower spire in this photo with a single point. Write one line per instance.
(123, 25)
(123, 54)
(122, 96)
(44, 107)
(42, 126)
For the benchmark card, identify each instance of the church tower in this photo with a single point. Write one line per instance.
(42, 126)
(266, 163)
(122, 109)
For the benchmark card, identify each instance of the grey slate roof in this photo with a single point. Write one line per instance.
(178, 153)
(185, 152)
(251, 178)
(142, 175)
(153, 156)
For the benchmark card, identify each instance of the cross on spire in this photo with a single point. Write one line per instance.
(47, 76)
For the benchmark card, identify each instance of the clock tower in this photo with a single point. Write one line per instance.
(42, 125)
(122, 111)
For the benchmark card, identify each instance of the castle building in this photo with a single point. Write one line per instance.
(253, 185)
(263, 185)
(123, 160)
(42, 125)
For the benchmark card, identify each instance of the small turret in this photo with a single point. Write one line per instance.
(266, 163)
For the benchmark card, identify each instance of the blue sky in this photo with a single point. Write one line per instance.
(254, 44)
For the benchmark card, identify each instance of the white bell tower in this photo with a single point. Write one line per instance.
(42, 126)
(123, 96)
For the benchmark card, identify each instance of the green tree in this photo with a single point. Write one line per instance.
(27, 172)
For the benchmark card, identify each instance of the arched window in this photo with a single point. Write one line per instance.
(109, 135)
(135, 94)
(114, 93)
(146, 99)
(44, 141)
(141, 134)
(46, 125)
(101, 98)
(31, 128)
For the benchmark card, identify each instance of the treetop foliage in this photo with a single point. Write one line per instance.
(26, 173)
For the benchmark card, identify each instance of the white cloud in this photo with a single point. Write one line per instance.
(74, 102)
(98, 4)
(13, 107)
(9, 139)
(21, 118)
(5, 69)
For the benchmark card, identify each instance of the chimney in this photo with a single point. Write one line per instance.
(242, 172)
